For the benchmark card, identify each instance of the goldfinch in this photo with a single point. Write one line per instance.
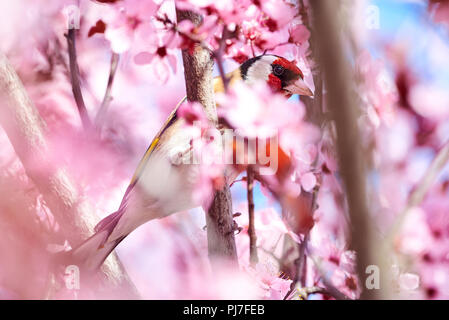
(159, 187)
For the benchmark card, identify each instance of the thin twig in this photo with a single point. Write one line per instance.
(270, 253)
(253, 258)
(299, 265)
(330, 288)
(197, 39)
(300, 262)
(107, 96)
(418, 195)
(218, 55)
(252, 49)
(276, 46)
(333, 291)
(238, 180)
(75, 79)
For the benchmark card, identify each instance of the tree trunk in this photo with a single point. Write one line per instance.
(338, 80)
(27, 132)
(198, 67)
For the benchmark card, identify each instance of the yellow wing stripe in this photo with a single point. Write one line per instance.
(154, 143)
(218, 87)
(144, 160)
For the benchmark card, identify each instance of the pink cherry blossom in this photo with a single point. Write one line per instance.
(299, 34)
(398, 78)
(248, 110)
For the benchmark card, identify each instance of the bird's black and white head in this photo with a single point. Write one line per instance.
(280, 74)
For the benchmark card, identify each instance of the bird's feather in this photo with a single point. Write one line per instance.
(218, 87)
(170, 120)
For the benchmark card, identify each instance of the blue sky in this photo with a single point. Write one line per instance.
(408, 21)
(394, 13)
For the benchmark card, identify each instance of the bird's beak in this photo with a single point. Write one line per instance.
(299, 87)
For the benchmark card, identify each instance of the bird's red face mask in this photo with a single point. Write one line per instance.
(281, 75)
(287, 78)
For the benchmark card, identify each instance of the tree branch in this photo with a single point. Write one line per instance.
(198, 66)
(99, 118)
(253, 259)
(330, 288)
(314, 105)
(300, 264)
(27, 132)
(219, 57)
(75, 79)
(343, 109)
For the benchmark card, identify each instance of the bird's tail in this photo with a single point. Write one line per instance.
(92, 252)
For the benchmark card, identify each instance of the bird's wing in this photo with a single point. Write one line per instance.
(98, 243)
(233, 77)
(170, 120)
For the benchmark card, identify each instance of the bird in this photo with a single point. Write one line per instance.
(159, 187)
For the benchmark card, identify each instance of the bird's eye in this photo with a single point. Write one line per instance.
(278, 70)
